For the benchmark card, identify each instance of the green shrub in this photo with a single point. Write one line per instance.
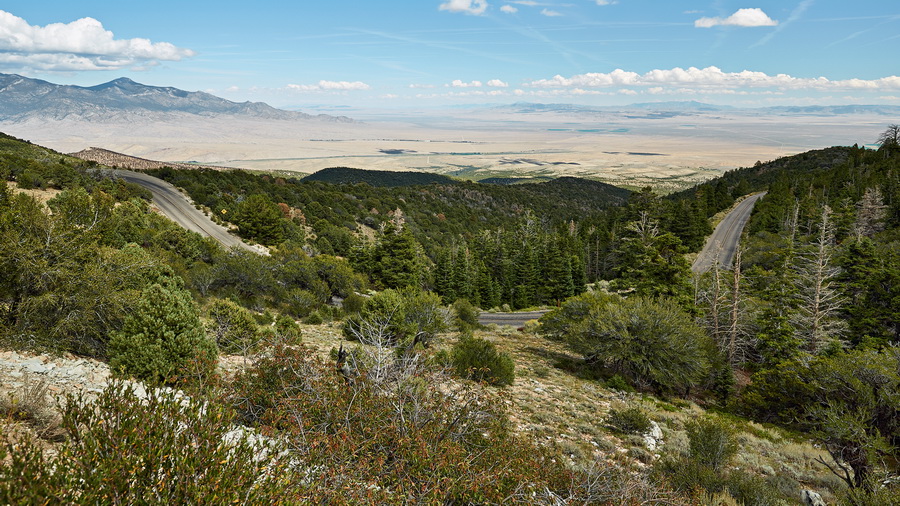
(400, 318)
(264, 318)
(688, 476)
(703, 469)
(314, 318)
(479, 360)
(617, 382)
(29, 179)
(629, 420)
(465, 315)
(712, 442)
(161, 337)
(751, 490)
(287, 329)
(233, 327)
(353, 304)
(653, 343)
(160, 448)
(301, 303)
(560, 323)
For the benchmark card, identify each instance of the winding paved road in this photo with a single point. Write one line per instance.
(178, 209)
(726, 236)
(513, 319)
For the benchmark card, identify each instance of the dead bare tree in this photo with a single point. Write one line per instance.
(870, 214)
(726, 312)
(816, 321)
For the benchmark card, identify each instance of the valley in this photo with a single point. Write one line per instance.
(669, 146)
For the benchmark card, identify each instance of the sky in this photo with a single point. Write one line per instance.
(427, 53)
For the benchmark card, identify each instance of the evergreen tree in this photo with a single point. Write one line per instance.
(162, 336)
(651, 263)
(260, 219)
(398, 260)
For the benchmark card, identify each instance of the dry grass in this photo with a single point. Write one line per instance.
(31, 405)
(36, 193)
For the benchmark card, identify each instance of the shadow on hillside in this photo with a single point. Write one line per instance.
(571, 364)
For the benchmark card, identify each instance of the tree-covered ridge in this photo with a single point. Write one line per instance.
(380, 178)
(438, 212)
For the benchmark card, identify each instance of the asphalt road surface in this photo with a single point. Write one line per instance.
(178, 209)
(726, 236)
(513, 319)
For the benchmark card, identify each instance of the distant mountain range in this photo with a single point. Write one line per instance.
(22, 98)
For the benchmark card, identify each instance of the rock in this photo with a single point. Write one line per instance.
(654, 437)
(35, 366)
(811, 498)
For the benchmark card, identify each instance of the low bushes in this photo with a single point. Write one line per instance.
(629, 420)
(479, 360)
(652, 343)
(159, 449)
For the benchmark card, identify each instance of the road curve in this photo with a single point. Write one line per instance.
(725, 238)
(512, 319)
(178, 209)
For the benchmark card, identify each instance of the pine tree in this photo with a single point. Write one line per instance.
(398, 260)
(260, 219)
(162, 336)
(651, 263)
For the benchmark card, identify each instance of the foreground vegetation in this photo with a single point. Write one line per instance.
(419, 404)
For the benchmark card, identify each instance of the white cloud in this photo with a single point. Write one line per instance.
(330, 86)
(743, 17)
(509, 9)
(712, 78)
(475, 7)
(80, 45)
(531, 3)
(607, 2)
(549, 13)
(421, 86)
(460, 84)
(496, 83)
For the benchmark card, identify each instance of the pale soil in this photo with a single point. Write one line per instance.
(665, 153)
(37, 193)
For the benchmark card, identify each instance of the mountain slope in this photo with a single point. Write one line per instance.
(22, 98)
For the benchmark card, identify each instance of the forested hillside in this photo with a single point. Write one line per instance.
(417, 403)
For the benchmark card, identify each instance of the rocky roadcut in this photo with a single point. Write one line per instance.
(66, 374)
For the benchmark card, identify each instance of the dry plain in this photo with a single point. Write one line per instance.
(630, 148)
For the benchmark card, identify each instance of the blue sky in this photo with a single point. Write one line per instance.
(421, 53)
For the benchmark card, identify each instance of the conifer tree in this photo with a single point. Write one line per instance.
(260, 219)
(398, 260)
(162, 336)
(650, 262)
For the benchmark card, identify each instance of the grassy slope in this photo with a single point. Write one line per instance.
(554, 403)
